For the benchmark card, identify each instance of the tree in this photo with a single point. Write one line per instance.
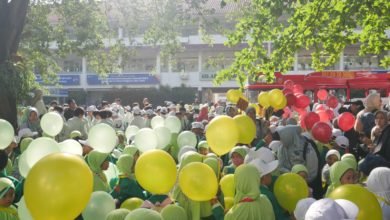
(327, 26)
(29, 30)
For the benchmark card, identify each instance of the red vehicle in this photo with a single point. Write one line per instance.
(346, 85)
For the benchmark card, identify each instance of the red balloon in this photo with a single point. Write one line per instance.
(310, 119)
(301, 112)
(332, 101)
(291, 99)
(324, 117)
(287, 91)
(322, 94)
(302, 101)
(330, 113)
(298, 88)
(322, 132)
(288, 84)
(346, 121)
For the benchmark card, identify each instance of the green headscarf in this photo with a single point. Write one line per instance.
(349, 158)
(173, 212)
(95, 159)
(125, 164)
(130, 150)
(189, 157)
(117, 214)
(5, 185)
(214, 164)
(75, 134)
(203, 144)
(297, 168)
(240, 150)
(143, 214)
(24, 143)
(248, 203)
(337, 170)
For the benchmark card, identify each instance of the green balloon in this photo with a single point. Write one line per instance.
(100, 204)
(186, 138)
(6, 133)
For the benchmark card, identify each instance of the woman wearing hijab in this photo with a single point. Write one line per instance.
(31, 120)
(126, 187)
(237, 156)
(341, 173)
(249, 204)
(98, 162)
(378, 182)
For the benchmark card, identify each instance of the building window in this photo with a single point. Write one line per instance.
(72, 66)
(186, 63)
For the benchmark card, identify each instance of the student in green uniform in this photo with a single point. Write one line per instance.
(237, 156)
(341, 173)
(126, 187)
(18, 186)
(98, 162)
(265, 170)
(7, 196)
(133, 151)
(203, 148)
(249, 204)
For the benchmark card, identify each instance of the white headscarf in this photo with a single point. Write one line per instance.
(378, 182)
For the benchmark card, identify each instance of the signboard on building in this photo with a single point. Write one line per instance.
(123, 79)
(63, 79)
(209, 76)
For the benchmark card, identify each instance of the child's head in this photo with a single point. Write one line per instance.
(301, 170)
(203, 148)
(342, 173)
(98, 161)
(265, 169)
(332, 156)
(237, 155)
(7, 192)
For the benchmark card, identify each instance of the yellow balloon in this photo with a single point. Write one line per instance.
(227, 185)
(282, 104)
(155, 171)
(289, 189)
(246, 128)
(58, 187)
(369, 207)
(263, 99)
(198, 181)
(222, 134)
(229, 201)
(132, 203)
(275, 98)
(233, 95)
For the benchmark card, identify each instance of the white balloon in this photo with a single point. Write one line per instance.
(23, 211)
(6, 133)
(52, 123)
(146, 139)
(40, 148)
(186, 138)
(131, 131)
(157, 121)
(24, 168)
(163, 136)
(102, 138)
(71, 146)
(173, 123)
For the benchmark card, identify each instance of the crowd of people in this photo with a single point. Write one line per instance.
(282, 144)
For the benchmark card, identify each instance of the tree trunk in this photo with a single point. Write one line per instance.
(12, 19)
